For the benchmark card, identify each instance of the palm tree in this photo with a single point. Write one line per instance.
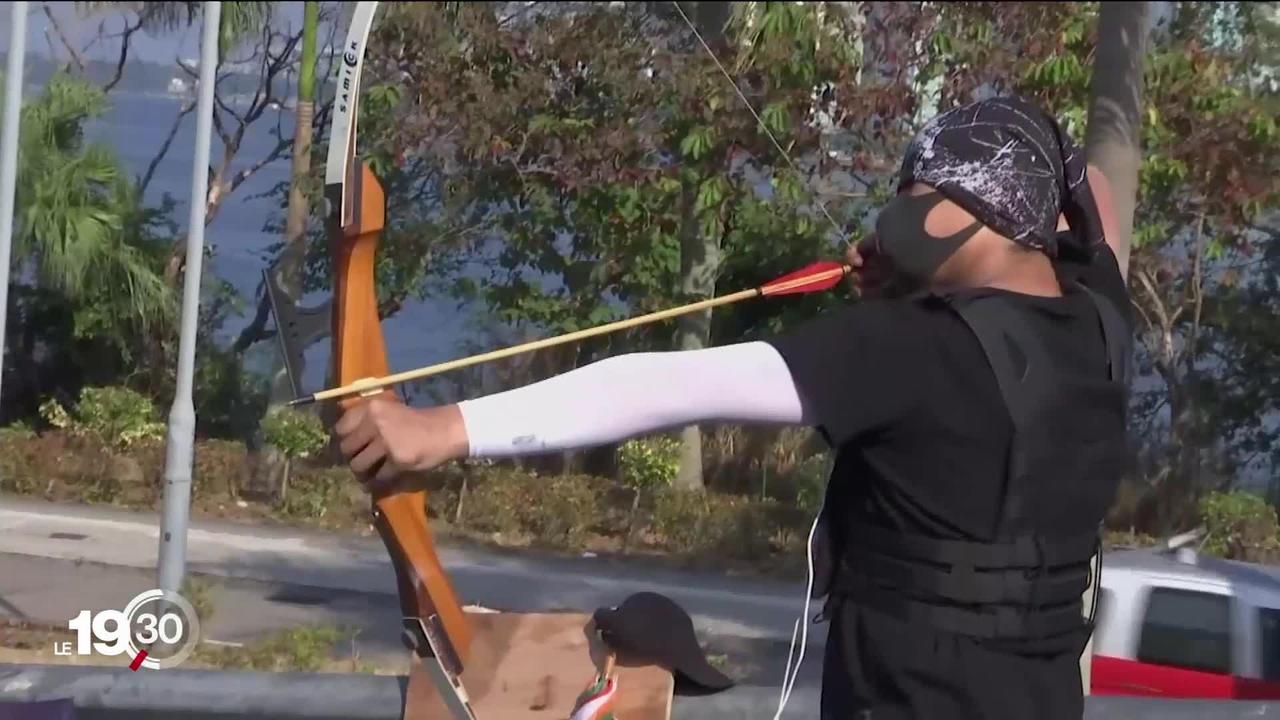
(272, 468)
(239, 19)
(78, 215)
(86, 263)
(298, 210)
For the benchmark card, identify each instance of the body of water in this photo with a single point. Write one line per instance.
(421, 333)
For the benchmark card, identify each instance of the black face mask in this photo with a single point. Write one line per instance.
(915, 254)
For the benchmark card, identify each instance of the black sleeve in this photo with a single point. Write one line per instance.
(1101, 273)
(852, 368)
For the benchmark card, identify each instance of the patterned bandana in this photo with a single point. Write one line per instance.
(1012, 167)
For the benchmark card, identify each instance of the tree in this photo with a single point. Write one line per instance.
(271, 466)
(1207, 174)
(239, 20)
(587, 141)
(699, 256)
(90, 250)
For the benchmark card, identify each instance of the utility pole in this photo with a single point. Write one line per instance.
(9, 151)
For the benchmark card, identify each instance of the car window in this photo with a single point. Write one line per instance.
(1269, 630)
(1187, 629)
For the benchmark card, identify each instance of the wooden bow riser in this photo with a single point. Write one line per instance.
(434, 622)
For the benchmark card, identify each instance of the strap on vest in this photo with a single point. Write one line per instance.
(1115, 335)
(1023, 553)
(1023, 369)
(987, 622)
(1028, 574)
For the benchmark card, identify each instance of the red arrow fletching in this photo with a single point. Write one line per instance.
(814, 277)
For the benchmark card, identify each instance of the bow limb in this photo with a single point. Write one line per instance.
(435, 628)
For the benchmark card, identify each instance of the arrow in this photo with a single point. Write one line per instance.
(816, 277)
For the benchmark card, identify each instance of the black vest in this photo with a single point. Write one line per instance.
(1026, 583)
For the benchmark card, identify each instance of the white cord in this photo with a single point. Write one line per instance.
(801, 626)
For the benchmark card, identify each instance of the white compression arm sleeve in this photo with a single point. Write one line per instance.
(635, 394)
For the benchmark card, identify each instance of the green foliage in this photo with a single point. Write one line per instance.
(555, 512)
(1240, 525)
(117, 416)
(571, 505)
(302, 649)
(495, 502)
(810, 478)
(52, 412)
(229, 400)
(568, 153)
(80, 219)
(1205, 300)
(19, 459)
(728, 527)
(649, 463)
(198, 591)
(315, 495)
(678, 518)
(19, 431)
(591, 172)
(295, 433)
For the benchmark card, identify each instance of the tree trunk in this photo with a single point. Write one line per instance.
(1114, 138)
(699, 263)
(1113, 145)
(272, 466)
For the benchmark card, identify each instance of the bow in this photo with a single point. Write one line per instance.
(434, 626)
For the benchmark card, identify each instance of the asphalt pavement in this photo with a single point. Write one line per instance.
(58, 559)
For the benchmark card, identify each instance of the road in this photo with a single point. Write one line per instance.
(57, 559)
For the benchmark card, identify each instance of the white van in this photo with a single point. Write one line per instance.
(1172, 623)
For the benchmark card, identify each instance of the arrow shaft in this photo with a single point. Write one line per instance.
(605, 329)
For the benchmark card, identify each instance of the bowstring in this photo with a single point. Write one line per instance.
(760, 121)
(800, 631)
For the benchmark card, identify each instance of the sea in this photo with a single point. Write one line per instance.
(238, 241)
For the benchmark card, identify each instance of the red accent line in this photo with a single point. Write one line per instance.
(137, 662)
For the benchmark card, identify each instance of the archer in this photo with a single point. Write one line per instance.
(975, 402)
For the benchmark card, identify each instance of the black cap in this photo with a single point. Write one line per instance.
(653, 628)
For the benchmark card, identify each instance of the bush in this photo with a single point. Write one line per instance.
(17, 431)
(25, 463)
(741, 528)
(495, 499)
(296, 434)
(315, 495)
(678, 518)
(553, 511)
(810, 478)
(569, 508)
(721, 526)
(217, 469)
(1240, 526)
(649, 463)
(117, 416)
